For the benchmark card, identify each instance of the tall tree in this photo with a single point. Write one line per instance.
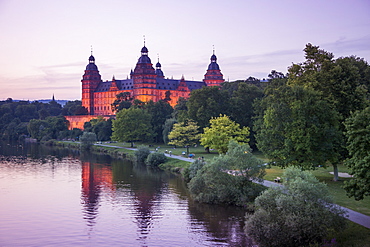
(342, 82)
(241, 109)
(207, 102)
(122, 101)
(295, 126)
(160, 111)
(358, 134)
(180, 112)
(221, 132)
(184, 134)
(131, 125)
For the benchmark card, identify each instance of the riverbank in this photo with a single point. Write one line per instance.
(355, 235)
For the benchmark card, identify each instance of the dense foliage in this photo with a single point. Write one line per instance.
(358, 134)
(20, 119)
(300, 120)
(155, 159)
(298, 214)
(184, 134)
(228, 179)
(87, 140)
(142, 153)
(132, 125)
(221, 131)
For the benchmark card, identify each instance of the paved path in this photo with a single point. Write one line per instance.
(168, 155)
(354, 216)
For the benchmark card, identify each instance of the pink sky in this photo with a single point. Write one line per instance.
(45, 45)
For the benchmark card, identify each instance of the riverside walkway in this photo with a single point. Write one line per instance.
(353, 216)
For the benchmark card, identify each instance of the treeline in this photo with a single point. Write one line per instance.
(20, 119)
(316, 115)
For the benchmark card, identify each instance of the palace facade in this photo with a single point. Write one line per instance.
(145, 83)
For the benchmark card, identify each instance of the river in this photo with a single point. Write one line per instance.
(59, 197)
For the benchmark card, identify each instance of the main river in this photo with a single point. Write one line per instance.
(58, 197)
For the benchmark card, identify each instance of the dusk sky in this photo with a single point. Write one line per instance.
(45, 44)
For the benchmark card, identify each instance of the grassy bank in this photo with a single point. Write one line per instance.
(355, 235)
(335, 188)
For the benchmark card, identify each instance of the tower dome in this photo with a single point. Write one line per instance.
(144, 50)
(91, 65)
(144, 56)
(213, 58)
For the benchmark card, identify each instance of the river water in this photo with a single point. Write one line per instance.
(58, 197)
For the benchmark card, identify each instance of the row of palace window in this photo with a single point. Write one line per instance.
(101, 108)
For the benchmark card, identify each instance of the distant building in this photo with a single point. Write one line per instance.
(145, 83)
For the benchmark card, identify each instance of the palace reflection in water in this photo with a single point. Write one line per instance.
(122, 204)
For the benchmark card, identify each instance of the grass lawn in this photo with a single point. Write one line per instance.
(335, 188)
(198, 151)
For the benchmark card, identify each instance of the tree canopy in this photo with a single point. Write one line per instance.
(131, 125)
(227, 179)
(221, 131)
(358, 145)
(299, 213)
(295, 126)
(184, 134)
(206, 103)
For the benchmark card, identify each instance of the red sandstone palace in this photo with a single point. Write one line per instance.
(145, 84)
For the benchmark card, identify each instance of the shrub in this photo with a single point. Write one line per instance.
(154, 159)
(87, 140)
(298, 214)
(142, 153)
(227, 179)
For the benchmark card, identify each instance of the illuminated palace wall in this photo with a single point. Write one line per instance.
(145, 83)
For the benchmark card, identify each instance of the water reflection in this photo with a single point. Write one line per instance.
(122, 204)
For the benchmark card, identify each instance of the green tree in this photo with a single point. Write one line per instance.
(167, 128)
(358, 134)
(343, 82)
(220, 133)
(103, 130)
(47, 129)
(295, 126)
(206, 103)
(160, 111)
(72, 108)
(142, 153)
(184, 134)
(87, 140)
(131, 125)
(180, 112)
(155, 159)
(228, 179)
(122, 101)
(298, 214)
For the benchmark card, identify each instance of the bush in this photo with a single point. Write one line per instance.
(142, 153)
(154, 159)
(192, 170)
(298, 214)
(227, 179)
(87, 140)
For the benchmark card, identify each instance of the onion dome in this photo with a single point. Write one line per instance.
(144, 56)
(144, 50)
(213, 65)
(213, 58)
(91, 65)
(158, 65)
